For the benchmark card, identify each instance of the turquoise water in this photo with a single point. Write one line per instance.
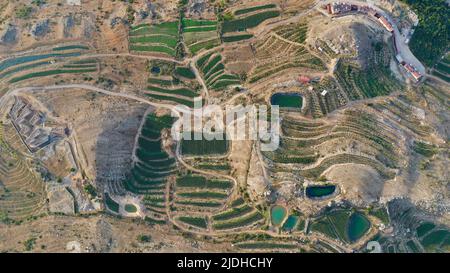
(26, 59)
(290, 223)
(278, 213)
(23, 67)
(320, 191)
(358, 225)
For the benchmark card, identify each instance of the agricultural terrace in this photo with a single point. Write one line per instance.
(216, 164)
(442, 68)
(172, 83)
(160, 38)
(239, 215)
(55, 62)
(374, 80)
(404, 114)
(318, 103)
(213, 70)
(22, 192)
(152, 166)
(204, 146)
(243, 20)
(200, 34)
(343, 225)
(283, 49)
(302, 142)
(234, 28)
(194, 193)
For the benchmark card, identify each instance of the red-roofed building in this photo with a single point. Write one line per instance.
(304, 79)
(386, 23)
(416, 75)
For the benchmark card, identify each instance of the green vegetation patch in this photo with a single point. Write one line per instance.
(185, 72)
(425, 149)
(232, 213)
(203, 195)
(246, 220)
(236, 38)
(433, 240)
(111, 204)
(204, 146)
(255, 8)
(250, 21)
(189, 181)
(199, 222)
(70, 47)
(431, 37)
(424, 228)
(50, 73)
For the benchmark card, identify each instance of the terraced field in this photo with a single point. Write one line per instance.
(203, 146)
(26, 67)
(302, 141)
(213, 69)
(442, 69)
(22, 192)
(343, 225)
(152, 166)
(425, 236)
(194, 193)
(216, 164)
(244, 21)
(374, 80)
(281, 50)
(325, 97)
(200, 34)
(160, 38)
(172, 83)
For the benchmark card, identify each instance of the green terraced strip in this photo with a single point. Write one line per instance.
(24, 67)
(236, 38)
(27, 59)
(199, 204)
(207, 44)
(214, 61)
(111, 204)
(265, 245)
(202, 182)
(193, 221)
(232, 213)
(173, 99)
(192, 23)
(170, 28)
(49, 73)
(62, 48)
(203, 195)
(80, 66)
(248, 22)
(200, 29)
(185, 72)
(181, 91)
(239, 222)
(160, 81)
(251, 9)
(170, 41)
(153, 48)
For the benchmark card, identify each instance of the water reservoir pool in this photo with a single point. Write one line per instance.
(287, 100)
(358, 225)
(290, 223)
(320, 191)
(277, 214)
